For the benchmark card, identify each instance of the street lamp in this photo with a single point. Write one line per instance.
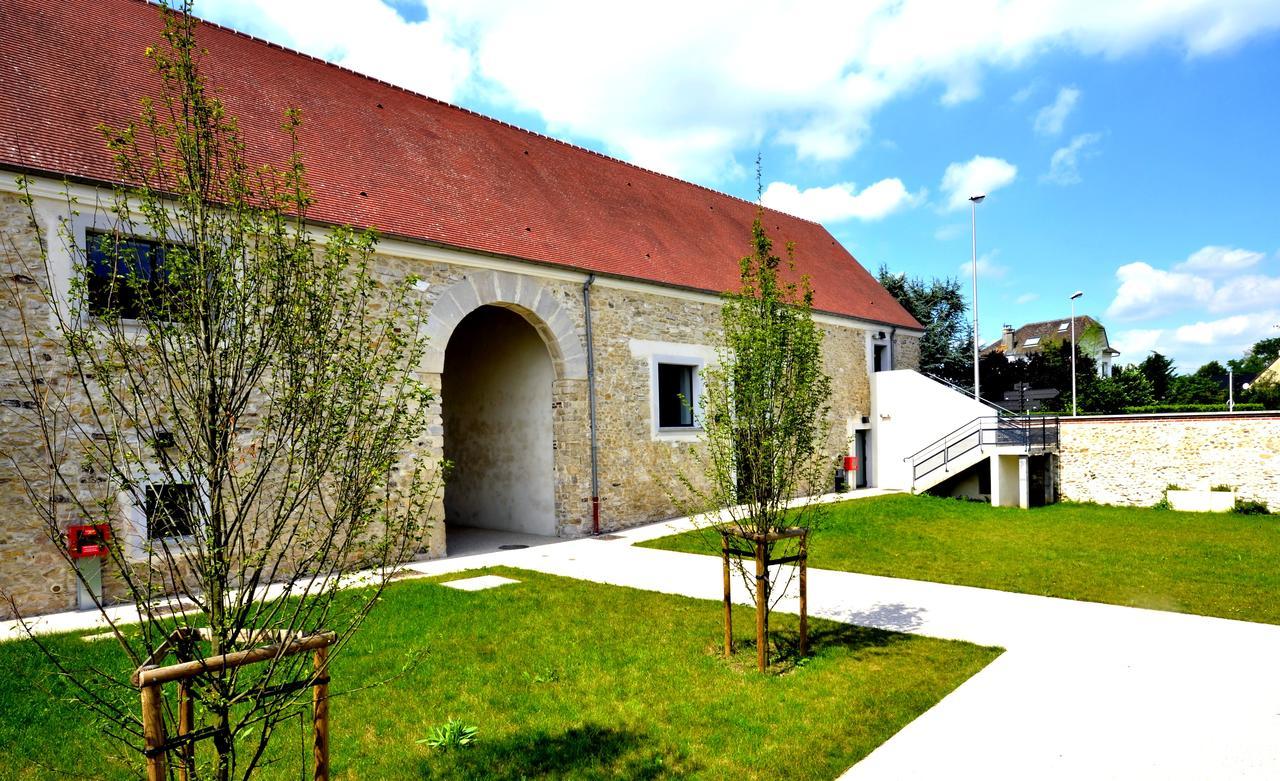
(1074, 296)
(975, 200)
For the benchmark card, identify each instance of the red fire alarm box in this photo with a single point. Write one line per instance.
(88, 540)
(850, 463)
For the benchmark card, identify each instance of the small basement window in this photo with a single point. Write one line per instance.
(170, 510)
(676, 396)
(126, 275)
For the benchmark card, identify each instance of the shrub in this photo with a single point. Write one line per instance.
(1223, 488)
(1157, 408)
(450, 735)
(1250, 507)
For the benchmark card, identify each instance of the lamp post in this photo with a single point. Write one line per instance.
(1074, 296)
(1231, 390)
(975, 200)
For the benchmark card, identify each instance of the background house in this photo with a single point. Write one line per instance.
(1091, 340)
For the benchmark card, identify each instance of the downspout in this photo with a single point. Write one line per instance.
(893, 354)
(591, 406)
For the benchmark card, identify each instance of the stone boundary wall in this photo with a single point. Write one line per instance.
(1131, 459)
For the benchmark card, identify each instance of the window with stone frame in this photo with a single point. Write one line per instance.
(676, 395)
(126, 275)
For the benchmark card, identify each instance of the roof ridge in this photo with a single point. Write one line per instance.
(472, 112)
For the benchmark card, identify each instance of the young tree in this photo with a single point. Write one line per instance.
(764, 411)
(253, 389)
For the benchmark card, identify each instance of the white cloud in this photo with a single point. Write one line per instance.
(840, 202)
(365, 35)
(1238, 330)
(979, 176)
(1180, 305)
(1064, 166)
(688, 98)
(1147, 292)
(987, 267)
(1026, 298)
(1026, 92)
(1135, 343)
(1220, 260)
(1049, 120)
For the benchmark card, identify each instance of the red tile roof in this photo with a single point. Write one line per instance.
(409, 166)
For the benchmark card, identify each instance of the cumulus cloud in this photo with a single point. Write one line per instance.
(1147, 292)
(365, 35)
(979, 176)
(1064, 166)
(1240, 330)
(689, 98)
(1049, 120)
(1220, 260)
(1135, 343)
(840, 202)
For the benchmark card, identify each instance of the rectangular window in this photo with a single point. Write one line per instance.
(170, 509)
(675, 395)
(1032, 342)
(126, 276)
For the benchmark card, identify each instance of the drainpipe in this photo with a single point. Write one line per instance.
(591, 406)
(893, 354)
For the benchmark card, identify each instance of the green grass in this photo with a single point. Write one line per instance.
(562, 679)
(1206, 563)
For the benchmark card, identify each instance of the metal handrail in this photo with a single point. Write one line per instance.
(1032, 432)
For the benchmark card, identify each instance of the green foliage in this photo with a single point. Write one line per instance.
(1263, 353)
(1198, 388)
(453, 734)
(1111, 395)
(765, 400)
(1153, 409)
(939, 304)
(1160, 372)
(1264, 393)
(1223, 488)
(1250, 507)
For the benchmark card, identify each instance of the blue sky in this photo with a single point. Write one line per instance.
(1128, 150)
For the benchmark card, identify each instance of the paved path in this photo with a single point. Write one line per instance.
(1084, 690)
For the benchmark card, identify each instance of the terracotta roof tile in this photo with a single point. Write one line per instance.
(409, 166)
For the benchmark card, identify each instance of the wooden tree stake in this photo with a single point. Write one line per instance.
(762, 607)
(153, 733)
(728, 600)
(320, 714)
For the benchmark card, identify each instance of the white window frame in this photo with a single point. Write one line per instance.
(133, 503)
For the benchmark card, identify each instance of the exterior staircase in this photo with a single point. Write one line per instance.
(977, 440)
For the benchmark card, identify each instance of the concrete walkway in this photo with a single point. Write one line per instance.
(1084, 690)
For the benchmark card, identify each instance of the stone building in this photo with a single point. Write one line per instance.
(540, 259)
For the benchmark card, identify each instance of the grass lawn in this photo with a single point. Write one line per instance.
(1207, 563)
(563, 679)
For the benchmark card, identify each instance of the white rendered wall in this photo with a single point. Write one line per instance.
(909, 411)
(1006, 480)
(496, 403)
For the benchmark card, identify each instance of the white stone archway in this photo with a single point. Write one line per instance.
(505, 349)
(524, 295)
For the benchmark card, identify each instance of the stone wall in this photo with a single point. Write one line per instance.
(1130, 460)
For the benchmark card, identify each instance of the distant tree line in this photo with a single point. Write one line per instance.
(1154, 384)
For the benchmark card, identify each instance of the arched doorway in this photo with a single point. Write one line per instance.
(496, 406)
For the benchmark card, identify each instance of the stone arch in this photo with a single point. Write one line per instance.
(521, 294)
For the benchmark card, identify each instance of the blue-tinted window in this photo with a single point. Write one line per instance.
(126, 275)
